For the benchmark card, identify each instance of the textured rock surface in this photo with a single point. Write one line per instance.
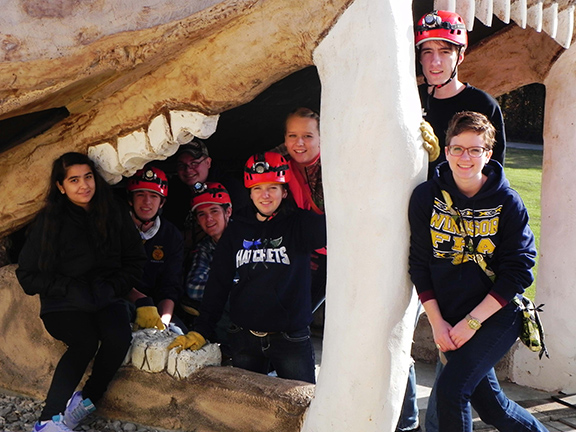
(215, 59)
(19, 413)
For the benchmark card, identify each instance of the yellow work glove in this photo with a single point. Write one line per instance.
(147, 315)
(193, 340)
(190, 310)
(431, 144)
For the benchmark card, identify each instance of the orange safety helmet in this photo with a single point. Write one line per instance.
(441, 25)
(266, 167)
(210, 193)
(151, 179)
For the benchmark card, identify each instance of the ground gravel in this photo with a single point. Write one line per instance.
(19, 413)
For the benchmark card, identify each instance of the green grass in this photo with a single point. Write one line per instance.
(524, 171)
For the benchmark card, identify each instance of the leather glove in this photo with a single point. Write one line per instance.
(431, 143)
(193, 340)
(147, 315)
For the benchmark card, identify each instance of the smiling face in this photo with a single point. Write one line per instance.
(438, 59)
(267, 197)
(191, 171)
(302, 139)
(467, 171)
(213, 219)
(146, 204)
(79, 185)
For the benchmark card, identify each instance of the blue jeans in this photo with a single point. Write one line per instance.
(409, 415)
(469, 379)
(291, 354)
(431, 422)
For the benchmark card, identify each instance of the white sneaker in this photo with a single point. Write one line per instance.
(54, 425)
(77, 409)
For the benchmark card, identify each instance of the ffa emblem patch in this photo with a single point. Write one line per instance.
(158, 253)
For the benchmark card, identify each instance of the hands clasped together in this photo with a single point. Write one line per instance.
(448, 338)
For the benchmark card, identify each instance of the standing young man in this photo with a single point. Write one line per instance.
(441, 40)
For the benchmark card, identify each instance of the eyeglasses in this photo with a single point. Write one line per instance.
(473, 152)
(192, 165)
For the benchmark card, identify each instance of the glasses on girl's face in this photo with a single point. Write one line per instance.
(474, 152)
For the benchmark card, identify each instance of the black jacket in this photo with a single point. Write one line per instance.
(439, 112)
(82, 279)
(265, 267)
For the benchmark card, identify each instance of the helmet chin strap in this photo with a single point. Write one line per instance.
(145, 221)
(266, 217)
(448, 81)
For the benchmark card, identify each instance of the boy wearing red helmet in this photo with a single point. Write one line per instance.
(441, 39)
(262, 262)
(212, 209)
(161, 284)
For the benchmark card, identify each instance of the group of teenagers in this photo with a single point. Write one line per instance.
(250, 262)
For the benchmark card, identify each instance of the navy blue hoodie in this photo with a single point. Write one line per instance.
(497, 222)
(271, 263)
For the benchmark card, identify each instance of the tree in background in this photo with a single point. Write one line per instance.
(523, 111)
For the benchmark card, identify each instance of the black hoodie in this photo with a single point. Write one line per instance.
(496, 220)
(265, 267)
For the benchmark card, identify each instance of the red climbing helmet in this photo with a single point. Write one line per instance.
(210, 193)
(151, 179)
(266, 167)
(441, 25)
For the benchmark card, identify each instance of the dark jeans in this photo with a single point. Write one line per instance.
(469, 378)
(291, 354)
(106, 332)
(432, 410)
(318, 284)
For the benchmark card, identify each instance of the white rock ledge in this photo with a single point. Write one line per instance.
(149, 352)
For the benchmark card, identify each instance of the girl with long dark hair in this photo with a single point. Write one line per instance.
(82, 256)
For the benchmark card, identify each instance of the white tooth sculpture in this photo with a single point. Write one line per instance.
(160, 141)
(541, 15)
(160, 137)
(186, 362)
(134, 152)
(187, 124)
(149, 352)
(105, 158)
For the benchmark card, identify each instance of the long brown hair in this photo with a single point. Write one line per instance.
(102, 226)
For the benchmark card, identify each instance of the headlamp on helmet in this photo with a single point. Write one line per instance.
(441, 25)
(149, 179)
(266, 167)
(199, 187)
(211, 193)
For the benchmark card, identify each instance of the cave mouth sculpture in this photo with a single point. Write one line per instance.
(115, 84)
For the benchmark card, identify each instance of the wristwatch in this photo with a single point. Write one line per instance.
(473, 323)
